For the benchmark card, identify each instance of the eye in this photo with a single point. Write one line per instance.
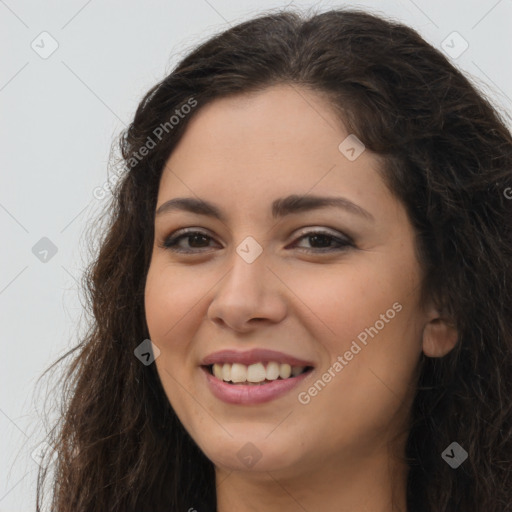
(195, 241)
(324, 240)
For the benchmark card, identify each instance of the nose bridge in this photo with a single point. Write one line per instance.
(249, 290)
(248, 274)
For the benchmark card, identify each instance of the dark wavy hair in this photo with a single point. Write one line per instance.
(447, 156)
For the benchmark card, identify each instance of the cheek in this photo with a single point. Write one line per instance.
(340, 302)
(370, 396)
(172, 302)
(368, 316)
(170, 297)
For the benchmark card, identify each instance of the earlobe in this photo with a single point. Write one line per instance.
(439, 337)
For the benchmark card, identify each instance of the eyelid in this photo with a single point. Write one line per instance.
(183, 232)
(314, 229)
(341, 238)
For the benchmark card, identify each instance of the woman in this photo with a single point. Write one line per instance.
(314, 231)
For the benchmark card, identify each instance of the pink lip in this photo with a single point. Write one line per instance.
(256, 355)
(245, 394)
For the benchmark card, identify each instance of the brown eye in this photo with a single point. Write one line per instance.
(192, 239)
(322, 241)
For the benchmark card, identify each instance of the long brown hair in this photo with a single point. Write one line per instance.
(447, 156)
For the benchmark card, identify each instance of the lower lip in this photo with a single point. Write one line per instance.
(246, 394)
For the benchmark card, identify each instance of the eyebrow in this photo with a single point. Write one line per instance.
(280, 207)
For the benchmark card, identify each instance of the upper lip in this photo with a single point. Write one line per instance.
(257, 355)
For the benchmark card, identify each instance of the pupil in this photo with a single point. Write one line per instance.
(324, 237)
(195, 238)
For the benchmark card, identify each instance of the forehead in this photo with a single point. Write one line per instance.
(247, 150)
(278, 116)
(278, 132)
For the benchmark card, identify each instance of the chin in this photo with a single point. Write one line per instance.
(246, 453)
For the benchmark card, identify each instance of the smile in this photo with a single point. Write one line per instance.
(252, 393)
(255, 374)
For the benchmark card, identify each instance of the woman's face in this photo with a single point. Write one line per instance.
(332, 288)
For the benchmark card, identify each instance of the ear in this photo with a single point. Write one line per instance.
(439, 334)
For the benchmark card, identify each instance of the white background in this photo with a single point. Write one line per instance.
(59, 116)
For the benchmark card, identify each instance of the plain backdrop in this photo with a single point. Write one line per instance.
(72, 74)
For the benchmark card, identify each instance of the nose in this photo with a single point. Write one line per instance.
(247, 296)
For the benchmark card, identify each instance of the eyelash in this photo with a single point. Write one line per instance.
(171, 242)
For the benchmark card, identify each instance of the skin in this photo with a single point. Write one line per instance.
(342, 450)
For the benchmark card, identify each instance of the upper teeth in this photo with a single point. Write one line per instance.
(257, 372)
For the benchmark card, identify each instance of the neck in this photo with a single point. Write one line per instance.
(377, 483)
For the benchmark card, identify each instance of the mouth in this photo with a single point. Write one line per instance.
(233, 385)
(256, 374)
(253, 376)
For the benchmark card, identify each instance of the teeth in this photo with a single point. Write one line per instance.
(238, 372)
(218, 371)
(226, 371)
(297, 370)
(273, 370)
(256, 372)
(285, 370)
